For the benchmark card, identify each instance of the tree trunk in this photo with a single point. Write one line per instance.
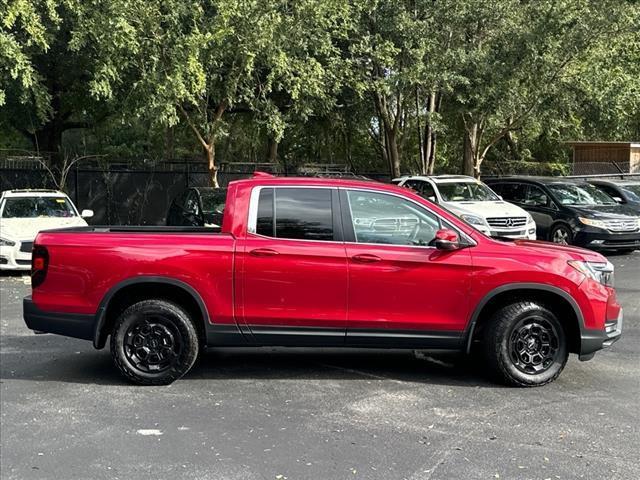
(210, 151)
(273, 151)
(394, 153)
(432, 153)
(513, 146)
(429, 134)
(470, 149)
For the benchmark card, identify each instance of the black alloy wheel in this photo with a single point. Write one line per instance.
(534, 345)
(154, 342)
(525, 344)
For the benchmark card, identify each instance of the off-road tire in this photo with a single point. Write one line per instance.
(502, 339)
(182, 334)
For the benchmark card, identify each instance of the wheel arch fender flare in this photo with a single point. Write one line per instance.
(99, 337)
(519, 286)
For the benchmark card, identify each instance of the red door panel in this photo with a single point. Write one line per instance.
(402, 287)
(293, 283)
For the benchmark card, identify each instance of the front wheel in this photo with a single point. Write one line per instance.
(561, 234)
(525, 345)
(154, 342)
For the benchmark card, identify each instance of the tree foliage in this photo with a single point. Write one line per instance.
(395, 85)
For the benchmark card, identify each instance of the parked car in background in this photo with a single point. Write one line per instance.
(625, 192)
(317, 262)
(198, 207)
(23, 213)
(573, 212)
(475, 203)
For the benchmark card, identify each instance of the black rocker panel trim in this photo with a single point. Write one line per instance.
(355, 337)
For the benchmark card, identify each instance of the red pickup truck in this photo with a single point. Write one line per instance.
(322, 263)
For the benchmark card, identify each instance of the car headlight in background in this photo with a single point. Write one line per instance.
(5, 242)
(601, 272)
(592, 222)
(474, 220)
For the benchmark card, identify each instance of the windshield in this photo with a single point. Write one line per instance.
(582, 194)
(633, 191)
(466, 192)
(213, 202)
(34, 207)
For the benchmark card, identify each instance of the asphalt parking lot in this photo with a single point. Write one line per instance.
(291, 414)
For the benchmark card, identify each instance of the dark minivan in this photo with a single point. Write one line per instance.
(572, 212)
(198, 207)
(626, 192)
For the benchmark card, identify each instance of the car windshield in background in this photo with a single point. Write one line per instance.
(633, 191)
(213, 202)
(34, 207)
(466, 192)
(584, 194)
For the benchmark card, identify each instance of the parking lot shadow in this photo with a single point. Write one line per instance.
(51, 358)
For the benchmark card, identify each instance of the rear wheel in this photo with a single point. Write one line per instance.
(525, 345)
(561, 234)
(154, 342)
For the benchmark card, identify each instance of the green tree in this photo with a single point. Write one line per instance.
(199, 61)
(518, 58)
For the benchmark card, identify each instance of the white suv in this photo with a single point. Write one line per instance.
(475, 203)
(23, 213)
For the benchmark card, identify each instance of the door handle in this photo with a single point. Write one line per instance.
(263, 252)
(365, 258)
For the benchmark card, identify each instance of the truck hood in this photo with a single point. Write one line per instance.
(26, 229)
(605, 211)
(538, 246)
(498, 208)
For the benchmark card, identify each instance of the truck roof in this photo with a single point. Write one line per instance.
(261, 178)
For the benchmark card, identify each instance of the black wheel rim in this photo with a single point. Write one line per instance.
(534, 345)
(152, 344)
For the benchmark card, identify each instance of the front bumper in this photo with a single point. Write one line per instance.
(67, 324)
(600, 239)
(11, 258)
(526, 232)
(593, 340)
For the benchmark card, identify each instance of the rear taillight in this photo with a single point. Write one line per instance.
(39, 265)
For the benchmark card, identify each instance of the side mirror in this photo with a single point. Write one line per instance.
(432, 198)
(447, 239)
(500, 197)
(618, 199)
(86, 213)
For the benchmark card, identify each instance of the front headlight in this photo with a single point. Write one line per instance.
(5, 242)
(592, 222)
(474, 220)
(601, 272)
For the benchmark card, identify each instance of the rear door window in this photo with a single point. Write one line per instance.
(423, 188)
(513, 192)
(295, 213)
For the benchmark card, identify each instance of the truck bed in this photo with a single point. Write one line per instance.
(135, 229)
